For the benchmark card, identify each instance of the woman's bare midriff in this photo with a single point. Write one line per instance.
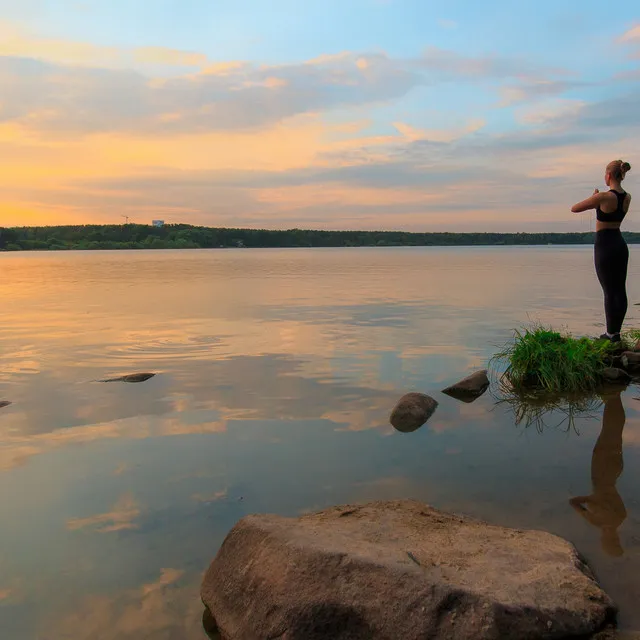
(606, 225)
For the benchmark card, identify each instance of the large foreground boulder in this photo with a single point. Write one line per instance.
(412, 411)
(470, 388)
(398, 570)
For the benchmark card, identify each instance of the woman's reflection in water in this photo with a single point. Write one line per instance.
(604, 508)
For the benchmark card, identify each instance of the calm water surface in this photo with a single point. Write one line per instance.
(277, 372)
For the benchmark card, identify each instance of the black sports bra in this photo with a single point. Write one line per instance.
(617, 215)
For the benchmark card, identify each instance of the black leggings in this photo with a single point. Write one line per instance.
(612, 258)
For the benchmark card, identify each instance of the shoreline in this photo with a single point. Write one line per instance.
(315, 248)
(181, 236)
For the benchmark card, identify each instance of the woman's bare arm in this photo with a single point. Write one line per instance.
(590, 203)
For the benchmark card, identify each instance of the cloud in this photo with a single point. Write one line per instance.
(631, 35)
(438, 135)
(67, 87)
(223, 68)
(71, 100)
(534, 90)
(120, 518)
(550, 111)
(358, 181)
(445, 64)
(168, 57)
(237, 143)
(17, 42)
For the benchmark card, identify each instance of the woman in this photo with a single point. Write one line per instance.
(611, 251)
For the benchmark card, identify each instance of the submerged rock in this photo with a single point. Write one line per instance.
(412, 411)
(619, 376)
(469, 388)
(398, 569)
(133, 377)
(4, 403)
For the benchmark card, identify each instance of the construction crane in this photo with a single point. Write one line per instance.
(126, 219)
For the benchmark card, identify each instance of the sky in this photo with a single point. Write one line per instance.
(351, 114)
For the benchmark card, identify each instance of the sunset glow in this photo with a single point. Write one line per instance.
(367, 114)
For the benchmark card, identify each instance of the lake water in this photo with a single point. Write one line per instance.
(277, 371)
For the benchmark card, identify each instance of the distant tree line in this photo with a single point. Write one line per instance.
(183, 236)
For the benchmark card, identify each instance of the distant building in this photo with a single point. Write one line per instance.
(158, 223)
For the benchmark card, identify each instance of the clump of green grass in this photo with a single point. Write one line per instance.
(546, 360)
(631, 337)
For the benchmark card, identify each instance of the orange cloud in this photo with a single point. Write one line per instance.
(169, 57)
(16, 41)
(571, 160)
(438, 135)
(297, 197)
(61, 168)
(631, 35)
(54, 167)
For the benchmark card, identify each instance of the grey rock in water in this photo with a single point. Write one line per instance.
(412, 411)
(630, 360)
(469, 388)
(399, 569)
(619, 376)
(133, 377)
(4, 403)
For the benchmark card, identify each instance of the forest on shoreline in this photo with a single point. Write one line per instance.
(183, 236)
